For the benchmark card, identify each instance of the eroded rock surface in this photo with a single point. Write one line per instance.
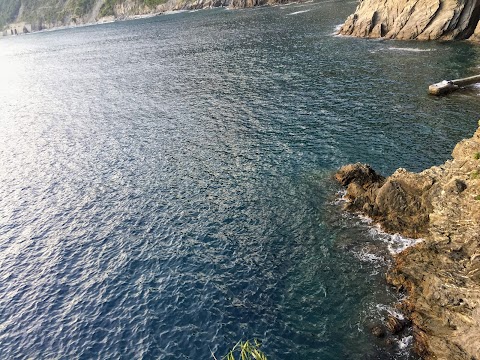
(398, 203)
(415, 19)
(441, 275)
(37, 16)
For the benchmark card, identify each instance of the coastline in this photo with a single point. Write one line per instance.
(101, 21)
(441, 274)
(168, 8)
(417, 19)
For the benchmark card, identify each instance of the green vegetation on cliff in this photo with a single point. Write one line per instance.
(107, 7)
(62, 11)
(49, 11)
(8, 11)
(81, 7)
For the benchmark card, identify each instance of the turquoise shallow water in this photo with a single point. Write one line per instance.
(165, 184)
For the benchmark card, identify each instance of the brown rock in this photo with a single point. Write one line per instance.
(397, 203)
(394, 325)
(476, 34)
(361, 174)
(441, 275)
(414, 19)
(456, 186)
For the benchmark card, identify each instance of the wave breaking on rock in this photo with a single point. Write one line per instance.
(440, 275)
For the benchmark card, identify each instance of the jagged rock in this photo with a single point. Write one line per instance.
(414, 19)
(456, 186)
(362, 174)
(394, 325)
(396, 203)
(441, 275)
(476, 34)
(378, 331)
(42, 17)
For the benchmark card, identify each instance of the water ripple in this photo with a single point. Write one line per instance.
(165, 183)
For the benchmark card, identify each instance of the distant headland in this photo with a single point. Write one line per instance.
(25, 16)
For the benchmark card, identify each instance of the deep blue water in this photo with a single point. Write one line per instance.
(166, 190)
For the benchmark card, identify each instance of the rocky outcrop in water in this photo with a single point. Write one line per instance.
(441, 275)
(398, 203)
(415, 19)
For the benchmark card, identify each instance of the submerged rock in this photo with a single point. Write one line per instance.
(415, 19)
(441, 274)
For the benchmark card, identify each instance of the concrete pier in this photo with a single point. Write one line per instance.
(448, 86)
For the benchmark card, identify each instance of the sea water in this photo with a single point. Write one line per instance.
(166, 183)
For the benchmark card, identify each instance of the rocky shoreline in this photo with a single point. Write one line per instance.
(415, 19)
(126, 10)
(441, 274)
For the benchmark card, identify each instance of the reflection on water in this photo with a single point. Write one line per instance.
(165, 183)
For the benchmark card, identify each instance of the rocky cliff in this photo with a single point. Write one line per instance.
(441, 274)
(202, 4)
(415, 19)
(46, 14)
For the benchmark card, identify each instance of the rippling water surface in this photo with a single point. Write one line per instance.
(165, 184)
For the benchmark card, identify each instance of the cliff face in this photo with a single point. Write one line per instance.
(202, 4)
(415, 19)
(45, 14)
(441, 275)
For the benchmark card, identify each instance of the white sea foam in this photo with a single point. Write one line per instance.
(396, 243)
(405, 342)
(336, 29)
(366, 256)
(340, 198)
(144, 16)
(409, 49)
(390, 310)
(365, 219)
(476, 88)
(299, 12)
(173, 12)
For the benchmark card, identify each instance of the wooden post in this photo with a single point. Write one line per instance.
(445, 87)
